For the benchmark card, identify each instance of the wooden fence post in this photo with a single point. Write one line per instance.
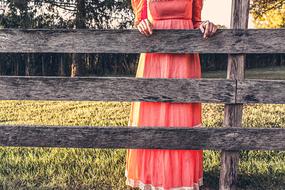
(233, 112)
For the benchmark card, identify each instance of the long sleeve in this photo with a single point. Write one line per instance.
(140, 10)
(197, 10)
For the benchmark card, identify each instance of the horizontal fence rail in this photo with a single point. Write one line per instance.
(261, 91)
(130, 41)
(142, 89)
(139, 137)
(117, 89)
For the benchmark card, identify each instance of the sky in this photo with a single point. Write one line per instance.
(219, 12)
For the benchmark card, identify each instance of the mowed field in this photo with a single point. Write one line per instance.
(60, 168)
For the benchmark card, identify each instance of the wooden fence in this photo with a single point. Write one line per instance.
(233, 91)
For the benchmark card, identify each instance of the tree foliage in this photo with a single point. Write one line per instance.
(62, 13)
(268, 13)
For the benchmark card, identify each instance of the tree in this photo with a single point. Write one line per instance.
(268, 13)
(70, 14)
(77, 66)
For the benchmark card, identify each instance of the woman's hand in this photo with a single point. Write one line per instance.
(145, 27)
(208, 29)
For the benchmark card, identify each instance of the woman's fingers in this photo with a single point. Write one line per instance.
(145, 30)
(145, 27)
(140, 29)
(148, 26)
(214, 30)
(206, 33)
(202, 28)
(208, 29)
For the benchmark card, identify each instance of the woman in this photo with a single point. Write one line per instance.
(167, 169)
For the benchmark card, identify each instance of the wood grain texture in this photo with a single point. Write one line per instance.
(131, 41)
(144, 137)
(261, 91)
(142, 89)
(117, 89)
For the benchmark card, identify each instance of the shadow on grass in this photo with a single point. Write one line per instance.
(274, 181)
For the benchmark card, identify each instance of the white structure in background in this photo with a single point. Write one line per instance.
(219, 12)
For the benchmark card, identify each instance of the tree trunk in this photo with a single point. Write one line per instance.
(61, 66)
(27, 64)
(16, 65)
(44, 73)
(78, 60)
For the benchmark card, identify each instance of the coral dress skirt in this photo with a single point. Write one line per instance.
(158, 168)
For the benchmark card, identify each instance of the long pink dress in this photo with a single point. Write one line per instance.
(167, 169)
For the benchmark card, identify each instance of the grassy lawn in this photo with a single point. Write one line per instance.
(60, 168)
(273, 73)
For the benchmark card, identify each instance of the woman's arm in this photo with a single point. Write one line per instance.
(196, 13)
(140, 10)
(141, 17)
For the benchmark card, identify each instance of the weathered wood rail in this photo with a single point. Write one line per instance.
(143, 137)
(142, 89)
(233, 91)
(129, 41)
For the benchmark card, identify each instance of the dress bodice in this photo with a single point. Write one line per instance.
(169, 14)
(170, 9)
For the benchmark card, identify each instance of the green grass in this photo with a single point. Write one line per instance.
(60, 168)
(257, 73)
